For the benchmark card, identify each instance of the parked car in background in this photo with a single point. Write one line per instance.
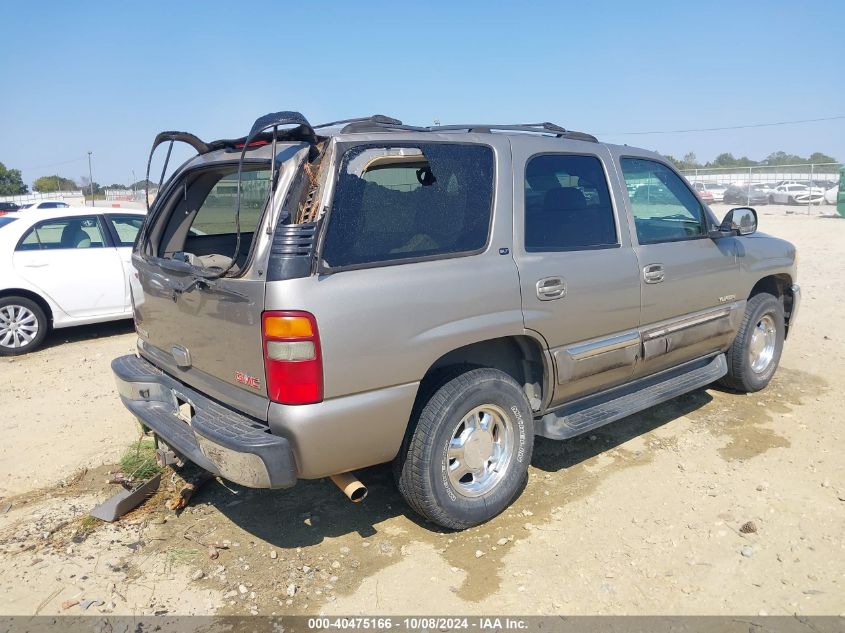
(45, 204)
(8, 207)
(746, 194)
(797, 194)
(766, 187)
(783, 183)
(652, 193)
(62, 267)
(706, 196)
(716, 189)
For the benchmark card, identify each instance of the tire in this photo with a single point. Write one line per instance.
(23, 326)
(790, 200)
(429, 474)
(751, 361)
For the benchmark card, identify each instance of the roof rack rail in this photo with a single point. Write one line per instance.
(380, 122)
(537, 128)
(375, 118)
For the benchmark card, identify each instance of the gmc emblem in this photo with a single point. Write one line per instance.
(249, 381)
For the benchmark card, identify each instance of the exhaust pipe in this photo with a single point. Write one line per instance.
(351, 486)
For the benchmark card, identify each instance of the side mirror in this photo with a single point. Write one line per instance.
(739, 221)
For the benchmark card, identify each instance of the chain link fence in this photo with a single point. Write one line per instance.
(805, 184)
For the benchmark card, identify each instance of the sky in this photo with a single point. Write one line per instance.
(105, 77)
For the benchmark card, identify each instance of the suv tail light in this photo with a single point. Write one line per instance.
(292, 358)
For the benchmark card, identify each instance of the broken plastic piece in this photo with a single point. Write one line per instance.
(119, 504)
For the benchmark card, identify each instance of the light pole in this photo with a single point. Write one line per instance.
(133, 184)
(91, 179)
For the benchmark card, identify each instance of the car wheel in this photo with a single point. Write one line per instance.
(23, 326)
(755, 353)
(465, 457)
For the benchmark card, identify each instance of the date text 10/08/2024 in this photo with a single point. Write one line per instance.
(418, 623)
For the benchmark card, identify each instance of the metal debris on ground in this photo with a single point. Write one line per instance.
(88, 603)
(125, 500)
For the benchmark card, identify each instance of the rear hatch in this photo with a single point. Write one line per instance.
(198, 292)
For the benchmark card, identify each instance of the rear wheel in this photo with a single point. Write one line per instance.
(23, 326)
(466, 457)
(755, 352)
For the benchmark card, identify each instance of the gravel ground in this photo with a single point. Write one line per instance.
(714, 503)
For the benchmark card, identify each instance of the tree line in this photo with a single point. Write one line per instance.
(689, 161)
(12, 184)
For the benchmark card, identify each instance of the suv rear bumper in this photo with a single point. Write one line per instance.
(216, 438)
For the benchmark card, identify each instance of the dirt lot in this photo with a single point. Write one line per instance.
(642, 517)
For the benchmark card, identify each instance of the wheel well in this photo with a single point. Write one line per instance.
(777, 285)
(521, 357)
(20, 292)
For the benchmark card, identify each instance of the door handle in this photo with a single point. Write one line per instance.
(550, 288)
(654, 273)
(35, 265)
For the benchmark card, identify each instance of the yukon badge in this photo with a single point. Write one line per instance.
(249, 381)
(727, 298)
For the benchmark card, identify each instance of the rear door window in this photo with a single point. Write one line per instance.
(567, 204)
(63, 233)
(394, 204)
(126, 228)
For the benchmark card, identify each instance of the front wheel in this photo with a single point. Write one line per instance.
(23, 326)
(466, 457)
(755, 353)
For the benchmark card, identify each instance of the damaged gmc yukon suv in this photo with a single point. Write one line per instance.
(311, 300)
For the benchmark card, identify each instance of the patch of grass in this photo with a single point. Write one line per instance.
(139, 461)
(87, 524)
(180, 556)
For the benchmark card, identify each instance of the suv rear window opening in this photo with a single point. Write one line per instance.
(393, 204)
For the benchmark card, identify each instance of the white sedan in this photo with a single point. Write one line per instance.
(797, 194)
(63, 267)
(44, 204)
